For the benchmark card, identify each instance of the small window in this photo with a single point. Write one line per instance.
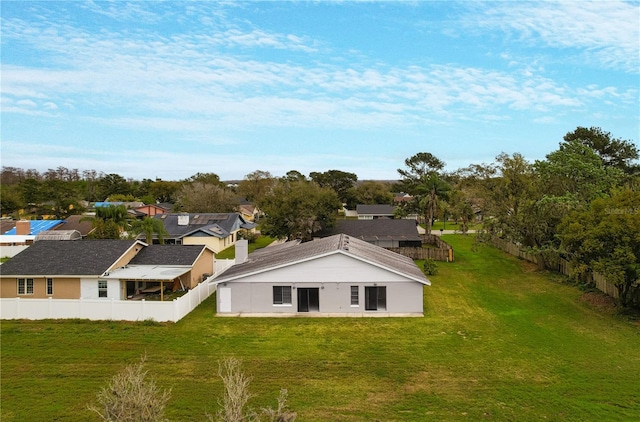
(49, 286)
(102, 288)
(282, 295)
(25, 286)
(355, 300)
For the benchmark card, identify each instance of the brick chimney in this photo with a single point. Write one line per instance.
(23, 227)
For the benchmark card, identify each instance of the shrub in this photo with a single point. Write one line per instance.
(236, 396)
(430, 267)
(130, 397)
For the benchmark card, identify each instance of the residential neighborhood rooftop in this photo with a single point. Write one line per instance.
(286, 254)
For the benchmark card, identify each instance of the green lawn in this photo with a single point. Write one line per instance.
(230, 252)
(499, 341)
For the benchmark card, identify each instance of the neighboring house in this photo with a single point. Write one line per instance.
(153, 209)
(249, 212)
(216, 230)
(402, 197)
(77, 222)
(92, 269)
(381, 232)
(335, 276)
(25, 231)
(58, 235)
(372, 212)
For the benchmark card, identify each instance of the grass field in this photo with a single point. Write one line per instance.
(499, 341)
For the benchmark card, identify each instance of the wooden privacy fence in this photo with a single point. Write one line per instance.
(563, 266)
(441, 251)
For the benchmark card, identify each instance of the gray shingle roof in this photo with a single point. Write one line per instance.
(213, 224)
(285, 254)
(61, 257)
(376, 209)
(168, 255)
(379, 229)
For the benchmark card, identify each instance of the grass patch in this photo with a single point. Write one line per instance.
(230, 252)
(499, 341)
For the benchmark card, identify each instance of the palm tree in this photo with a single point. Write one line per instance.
(150, 227)
(109, 222)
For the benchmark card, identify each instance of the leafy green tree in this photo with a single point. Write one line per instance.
(205, 197)
(423, 180)
(32, 191)
(614, 152)
(294, 176)
(372, 192)
(10, 199)
(578, 170)
(163, 191)
(256, 185)
(206, 178)
(606, 237)
(112, 184)
(340, 181)
(63, 198)
(297, 210)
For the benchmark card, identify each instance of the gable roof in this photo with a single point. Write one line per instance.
(378, 229)
(168, 255)
(212, 224)
(286, 255)
(376, 209)
(75, 222)
(59, 235)
(60, 257)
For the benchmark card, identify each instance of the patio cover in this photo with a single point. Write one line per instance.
(147, 273)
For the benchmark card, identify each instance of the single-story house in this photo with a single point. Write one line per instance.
(93, 269)
(77, 222)
(372, 212)
(153, 209)
(334, 276)
(218, 231)
(25, 231)
(381, 232)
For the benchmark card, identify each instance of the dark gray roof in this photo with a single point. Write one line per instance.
(212, 224)
(284, 255)
(168, 255)
(60, 257)
(379, 229)
(377, 209)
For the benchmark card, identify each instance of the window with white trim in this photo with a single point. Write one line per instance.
(282, 295)
(355, 299)
(49, 287)
(102, 288)
(25, 286)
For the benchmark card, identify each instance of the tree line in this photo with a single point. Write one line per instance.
(581, 202)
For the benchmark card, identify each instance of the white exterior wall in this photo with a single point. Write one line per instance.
(89, 289)
(333, 276)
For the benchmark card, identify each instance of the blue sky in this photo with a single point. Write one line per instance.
(170, 89)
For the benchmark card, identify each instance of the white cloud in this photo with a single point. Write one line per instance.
(604, 31)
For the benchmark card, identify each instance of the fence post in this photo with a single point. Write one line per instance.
(17, 308)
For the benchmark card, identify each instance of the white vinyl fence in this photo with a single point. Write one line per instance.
(106, 309)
